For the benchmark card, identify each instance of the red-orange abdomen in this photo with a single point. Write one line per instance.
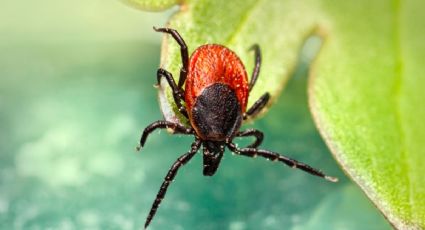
(211, 64)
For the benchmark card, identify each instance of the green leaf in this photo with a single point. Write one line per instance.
(152, 5)
(204, 22)
(368, 99)
(366, 94)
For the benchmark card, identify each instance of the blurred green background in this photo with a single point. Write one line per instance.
(75, 93)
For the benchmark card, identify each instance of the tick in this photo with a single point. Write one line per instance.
(215, 96)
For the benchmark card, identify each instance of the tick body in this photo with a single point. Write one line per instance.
(216, 92)
(216, 96)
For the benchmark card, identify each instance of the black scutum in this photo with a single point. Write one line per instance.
(217, 113)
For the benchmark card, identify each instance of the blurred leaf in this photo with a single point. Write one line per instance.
(366, 95)
(152, 5)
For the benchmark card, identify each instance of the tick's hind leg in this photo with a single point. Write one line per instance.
(178, 93)
(257, 106)
(177, 128)
(272, 156)
(183, 51)
(252, 132)
(257, 66)
(170, 177)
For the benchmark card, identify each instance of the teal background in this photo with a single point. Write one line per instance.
(75, 93)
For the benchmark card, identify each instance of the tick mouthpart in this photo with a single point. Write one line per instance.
(331, 179)
(138, 148)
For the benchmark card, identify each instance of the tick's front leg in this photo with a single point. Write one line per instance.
(177, 128)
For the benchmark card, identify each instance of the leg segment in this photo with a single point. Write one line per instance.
(177, 92)
(256, 71)
(177, 128)
(252, 152)
(252, 132)
(170, 177)
(183, 51)
(257, 106)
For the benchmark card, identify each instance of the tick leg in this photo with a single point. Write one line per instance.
(183, 51)
(177, 92)
(253, 152)
(252, 132)
(177, 128)
(256, 71)
(257, 106)
(170, 177)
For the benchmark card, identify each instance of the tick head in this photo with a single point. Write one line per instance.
(213, 152)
